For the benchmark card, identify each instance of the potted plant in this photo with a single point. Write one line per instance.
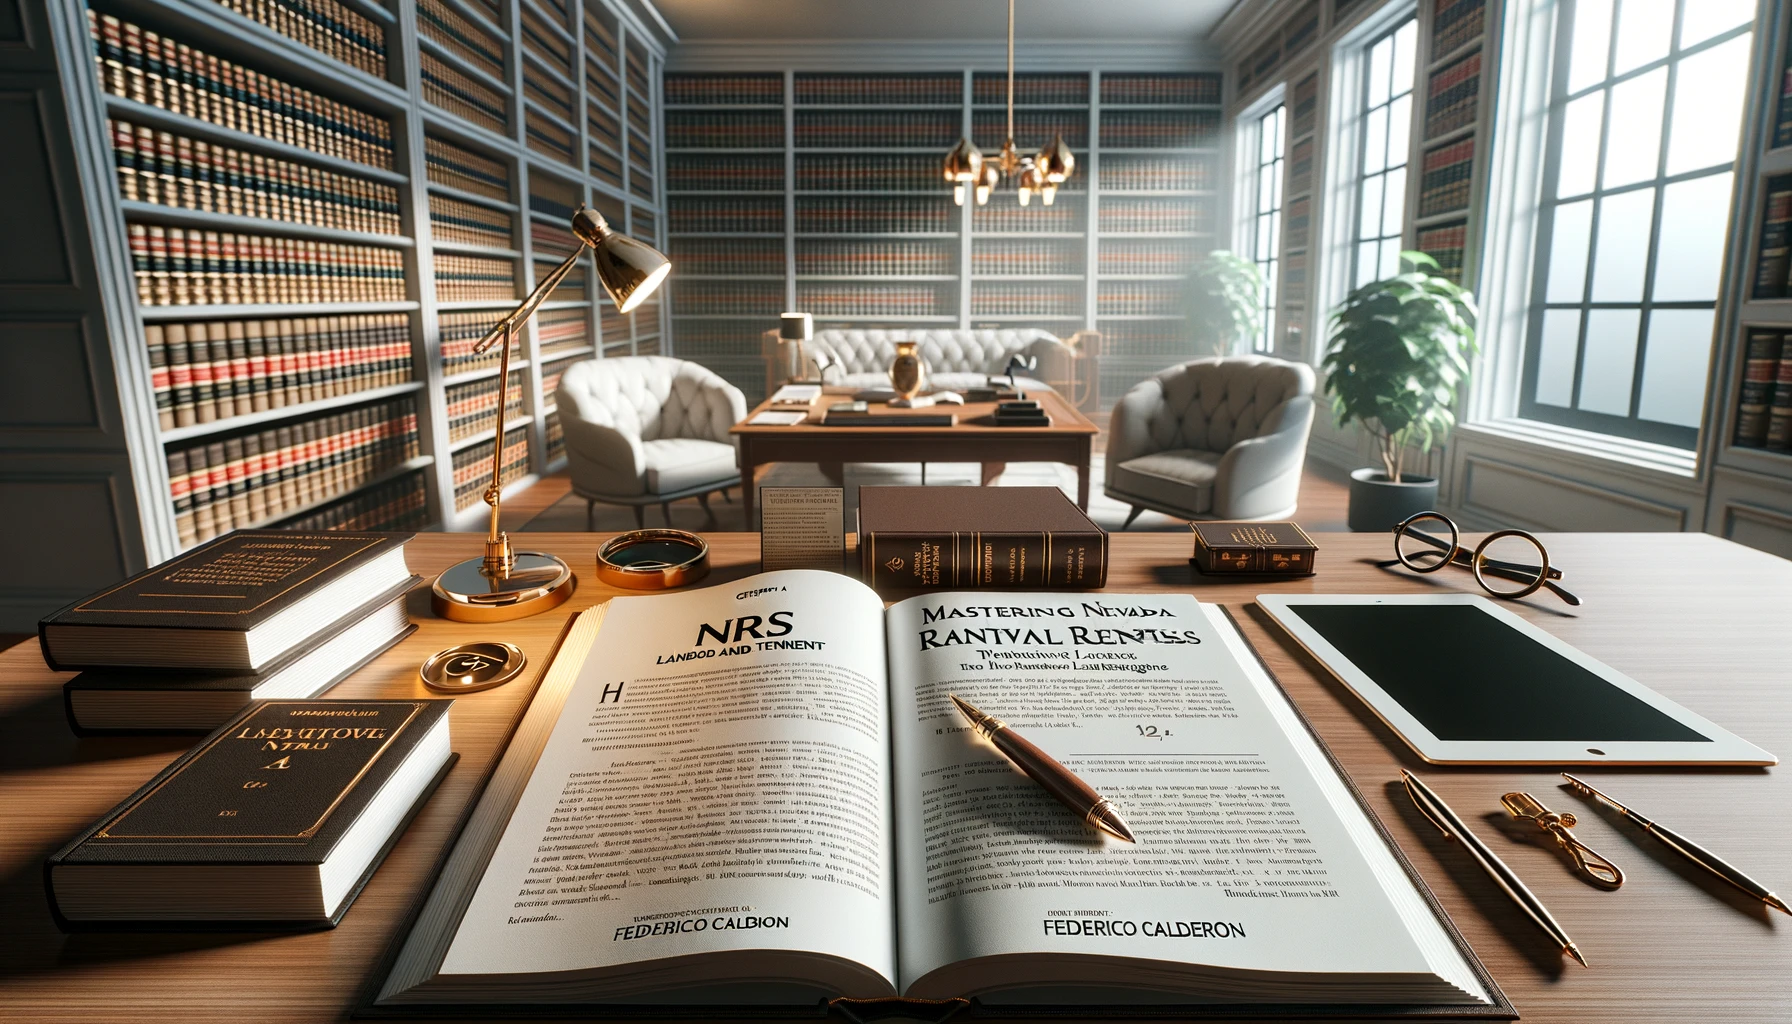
(1398, 352)
(1225, 303)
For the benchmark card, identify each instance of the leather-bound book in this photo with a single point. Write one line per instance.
(238, 602)
(953, 538)
(280, 816)
(1281, 549)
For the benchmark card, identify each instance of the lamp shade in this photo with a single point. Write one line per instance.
(795, 326)
(629, 270)
(963, 163)
(1056, 161)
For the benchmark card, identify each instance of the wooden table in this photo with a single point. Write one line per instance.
(974, 439)
(1702, 620)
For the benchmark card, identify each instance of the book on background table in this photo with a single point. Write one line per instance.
(279, 817)
(238, 602)
(796, 395)
(952, 537)
(759, 796)
(185, 700)
(777, 418)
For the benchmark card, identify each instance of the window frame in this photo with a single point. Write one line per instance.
(1556, 99)
(1359, 179)
(1249, 179)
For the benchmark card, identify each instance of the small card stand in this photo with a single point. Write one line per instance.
(802, 528)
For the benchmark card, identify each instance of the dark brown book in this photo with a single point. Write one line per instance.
(238, 602)
(949, 538)
(1282, 549)
(279, 816)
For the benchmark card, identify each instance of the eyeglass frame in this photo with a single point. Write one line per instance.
(1479, 563)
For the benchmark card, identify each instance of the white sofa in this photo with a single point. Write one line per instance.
(643, 430)
(1213, 439)
(956, 359)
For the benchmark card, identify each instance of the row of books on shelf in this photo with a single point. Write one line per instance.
(947, 90)
(725, 88)
(1454, 23)
(834, 298)
(1032, 129)
(1454, 95)
(1773, 263)
(473, 467)
(451, 220)
(147, 67)
(1446, 244)
(1015, 257)
(189, 267)
(469, 405)
(1303, 111)
(1297, 223)
(835, 172)
(1144, 256)
(1447, 175)
(876, 213)
(401, 504)
(550, 378)
(1036, 88)
(555, 436)
(748, 172)
(1005, 215)
(330, 28)
(262, 476)
(474, 278)
(1138, 298)
(1159, 129)
(988, 88)
(1138, 173)
(464, 37)
(708, 298)
(729, 255)
(461, 95)
(1764, 408)
(1018, 299)
(561, 328)
(174, 170)
(457, 167)
(550, 46)
(214, 370)
(1300, 167)
(815, 129)
(548, 138)
(736, 130)
(1143, 216)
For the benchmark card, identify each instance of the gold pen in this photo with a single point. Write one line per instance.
(1687, 848)
(1042, 768)
(1433, 807)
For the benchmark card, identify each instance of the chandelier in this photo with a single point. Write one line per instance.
(1039, 174)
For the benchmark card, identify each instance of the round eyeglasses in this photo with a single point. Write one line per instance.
(1508, 564)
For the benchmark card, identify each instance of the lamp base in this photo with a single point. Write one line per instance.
(536, 583)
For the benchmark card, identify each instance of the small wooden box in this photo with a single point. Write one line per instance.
(1275, 549)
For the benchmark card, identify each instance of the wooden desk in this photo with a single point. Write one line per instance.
(1068, 440)
(1700, 619)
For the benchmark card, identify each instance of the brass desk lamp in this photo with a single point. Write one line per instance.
(507, 584)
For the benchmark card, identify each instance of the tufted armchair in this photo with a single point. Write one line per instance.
(647, 429)
(956, 359)
(1213, 439)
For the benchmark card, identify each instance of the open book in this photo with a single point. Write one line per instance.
(759, 793)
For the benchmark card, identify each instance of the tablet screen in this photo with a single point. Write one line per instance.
(1466, 675)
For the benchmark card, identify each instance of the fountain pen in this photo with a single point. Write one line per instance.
(1042, 768)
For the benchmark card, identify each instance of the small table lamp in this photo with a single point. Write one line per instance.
(797, 328)
(506, 584)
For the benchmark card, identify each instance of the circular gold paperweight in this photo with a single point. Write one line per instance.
(536, 582)
(653, 559)
(467, 668)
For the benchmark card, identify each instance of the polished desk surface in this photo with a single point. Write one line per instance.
(1704, 621)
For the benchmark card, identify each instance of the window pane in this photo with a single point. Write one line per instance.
(1623, 246)
(1674, 366)
(1375, 141)
(1708, 104)
(1390, 257)
(1274, 173)
(1366, 265)
(1380, 65)
(1266, 199)
(1568, 252)
(1405, 47)
(1580, 145)
(1592, 43)
(1706, 18)
(1399, 129)
(1633, 142)
(1555, 357)
(1691, 249)
(1644, 29)
(1266, 138)
(1369, 224)
(1394, 203)
(1610, 360)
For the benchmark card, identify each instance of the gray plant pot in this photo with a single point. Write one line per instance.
(1377, 504)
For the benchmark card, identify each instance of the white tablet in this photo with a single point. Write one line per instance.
(1464, 681)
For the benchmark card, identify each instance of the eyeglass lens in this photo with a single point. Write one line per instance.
(1425, 542)
(1511, 565)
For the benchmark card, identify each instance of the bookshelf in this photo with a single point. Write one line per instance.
(1452, 133)
(320, 207)
(821, 192)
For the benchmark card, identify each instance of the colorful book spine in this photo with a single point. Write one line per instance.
(451, 220)
(1760, 368)
(1454, 23)
(1775, 255)
(1447, 176)
(221, 369)
(1139, 298)
(1018, 299)
(1782, 129)
(461, 95)
(447, 164)
(474, 279)
(1446, 245)
(147, 67)
(469, 406)
(722, 89)
(189, 267)
(741, 129)
(1454, 96)
(1154, 129)
(462, 35)
(473, 467)
(992, 89)
(1303, 115)
(259, 478)
(402, 504)
(858, 89)
(1779, 412)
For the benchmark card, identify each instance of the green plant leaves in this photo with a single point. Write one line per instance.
(1225, 302)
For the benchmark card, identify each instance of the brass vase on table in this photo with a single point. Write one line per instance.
(908, 372)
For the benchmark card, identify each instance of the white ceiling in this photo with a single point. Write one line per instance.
(1183, 21)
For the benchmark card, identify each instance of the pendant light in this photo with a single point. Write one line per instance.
(1039, 174)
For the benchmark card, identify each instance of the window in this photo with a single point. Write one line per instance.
(1645, 106)
(1266, 217)
(1383, 127)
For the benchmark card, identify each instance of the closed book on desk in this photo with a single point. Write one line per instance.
(970, 537)
(743, 800)
(280, 816)
(1280, 549)
(185, 700)
(239, 602)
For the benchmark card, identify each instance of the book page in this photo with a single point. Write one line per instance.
(1243, 859)
(718, 780)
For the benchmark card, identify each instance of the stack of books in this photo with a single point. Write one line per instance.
(253, 615)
